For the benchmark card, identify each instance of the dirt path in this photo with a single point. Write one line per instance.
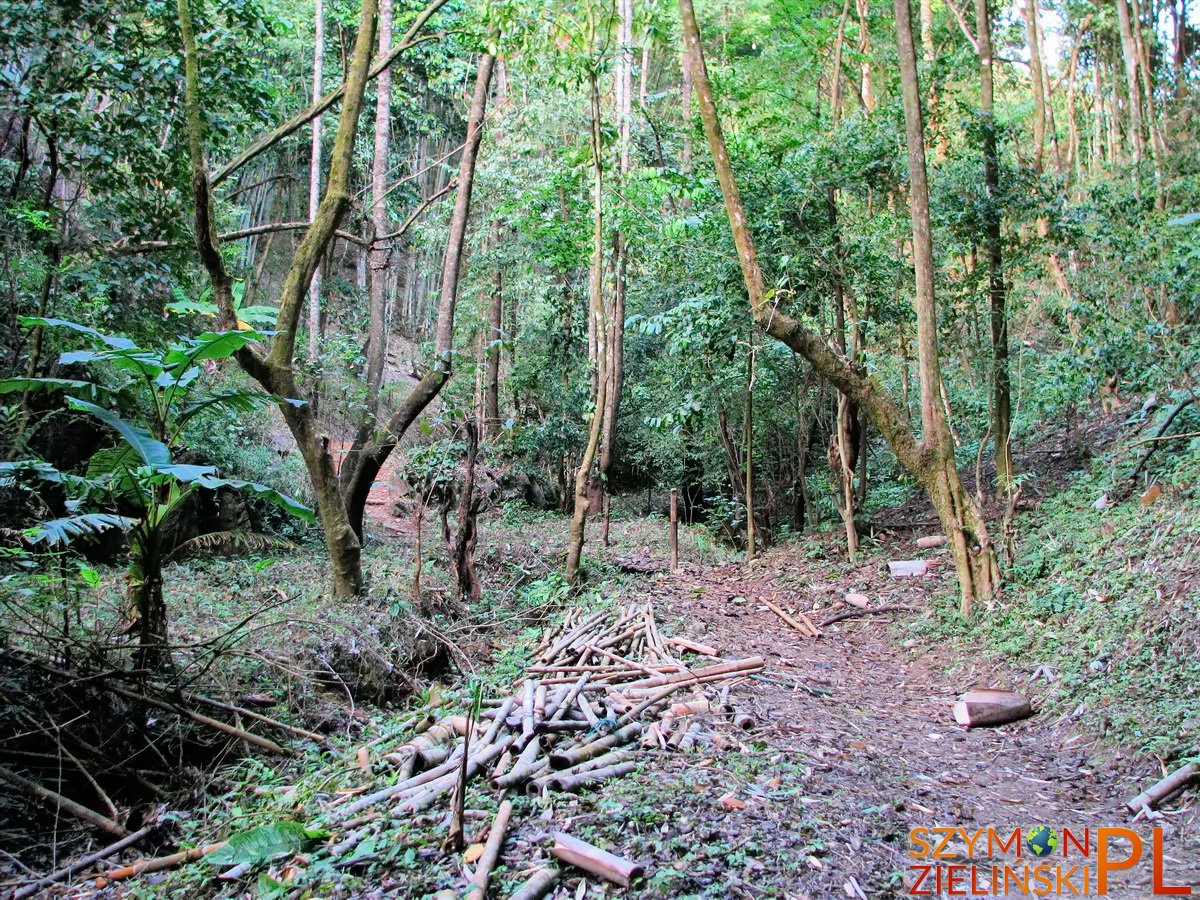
(861, 743)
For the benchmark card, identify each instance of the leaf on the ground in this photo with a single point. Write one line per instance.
(730, 802)
(265, 842)
(1152, 493)
(472, 854)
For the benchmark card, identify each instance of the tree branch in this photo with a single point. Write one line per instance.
(299, 121)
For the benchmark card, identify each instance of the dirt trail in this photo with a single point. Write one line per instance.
(869, 721)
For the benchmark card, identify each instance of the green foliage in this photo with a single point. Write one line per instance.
(264, 843)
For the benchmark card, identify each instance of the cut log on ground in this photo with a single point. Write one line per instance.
(990, 707)
(491, 852)
(592, 859)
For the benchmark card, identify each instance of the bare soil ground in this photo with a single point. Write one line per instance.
(856, 745)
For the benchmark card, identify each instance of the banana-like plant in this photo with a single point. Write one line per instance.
(155, 396)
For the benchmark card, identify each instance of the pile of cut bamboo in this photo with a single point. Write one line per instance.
(602, 687)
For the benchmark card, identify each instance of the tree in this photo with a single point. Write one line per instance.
(997, 291)
(930, 459)
(341, 496)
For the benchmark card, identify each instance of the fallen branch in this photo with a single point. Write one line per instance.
(58, 802)
(537, 885)
(85, 862)
(851, 613)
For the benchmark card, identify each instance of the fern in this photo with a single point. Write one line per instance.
(230, 543)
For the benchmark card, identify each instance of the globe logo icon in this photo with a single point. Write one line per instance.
(1041, 841)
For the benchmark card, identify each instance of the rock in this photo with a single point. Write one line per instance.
(909, 568)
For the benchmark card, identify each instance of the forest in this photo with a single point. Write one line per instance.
(714, 448)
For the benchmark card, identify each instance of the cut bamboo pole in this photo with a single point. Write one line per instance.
(723, 670)
(565, 759)
(592, 859)
(685, 644)
(491, 852)
(573, 782)
(795, 623)
(1163, 789)
(537, 885)
(158, 864)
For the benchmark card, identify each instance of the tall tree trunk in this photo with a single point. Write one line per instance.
(495, 336)
(363, 462)
(748, 429)
(998, 295)
(1133, 91)
(867, 92)
(1038, 77)
(462, 560)
(314, 179)
(835, 83)
(597, 312)
(685, 111)
(1158, 145)
(380, 252)
(930, 461)
(844, 451)
(1180, 16)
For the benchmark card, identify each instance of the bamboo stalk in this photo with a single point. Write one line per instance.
(794, 623)
(709, 673)
(592, 859)
(158, 863)
(491, 852)
(537, 885)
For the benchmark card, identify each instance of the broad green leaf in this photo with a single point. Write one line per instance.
(265, 842)
(12, 385)
(117, 343)
(59, 532)
(153, 452)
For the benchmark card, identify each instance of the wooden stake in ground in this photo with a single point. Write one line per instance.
(674, 529)
(592, 859)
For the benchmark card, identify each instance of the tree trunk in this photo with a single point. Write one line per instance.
(931, 462)
(867, 92)
(314, 179)
(146, 598)
(380, 252)
(844, 449)
(597, 313)
(748, 428)
(462, 561)
(998, 296)
(363, 462)
(1133, 92)
(491, 396)
(1037, 76)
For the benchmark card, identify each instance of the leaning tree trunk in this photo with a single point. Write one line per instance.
(931, 462)
(365, 459)
(598, 313)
